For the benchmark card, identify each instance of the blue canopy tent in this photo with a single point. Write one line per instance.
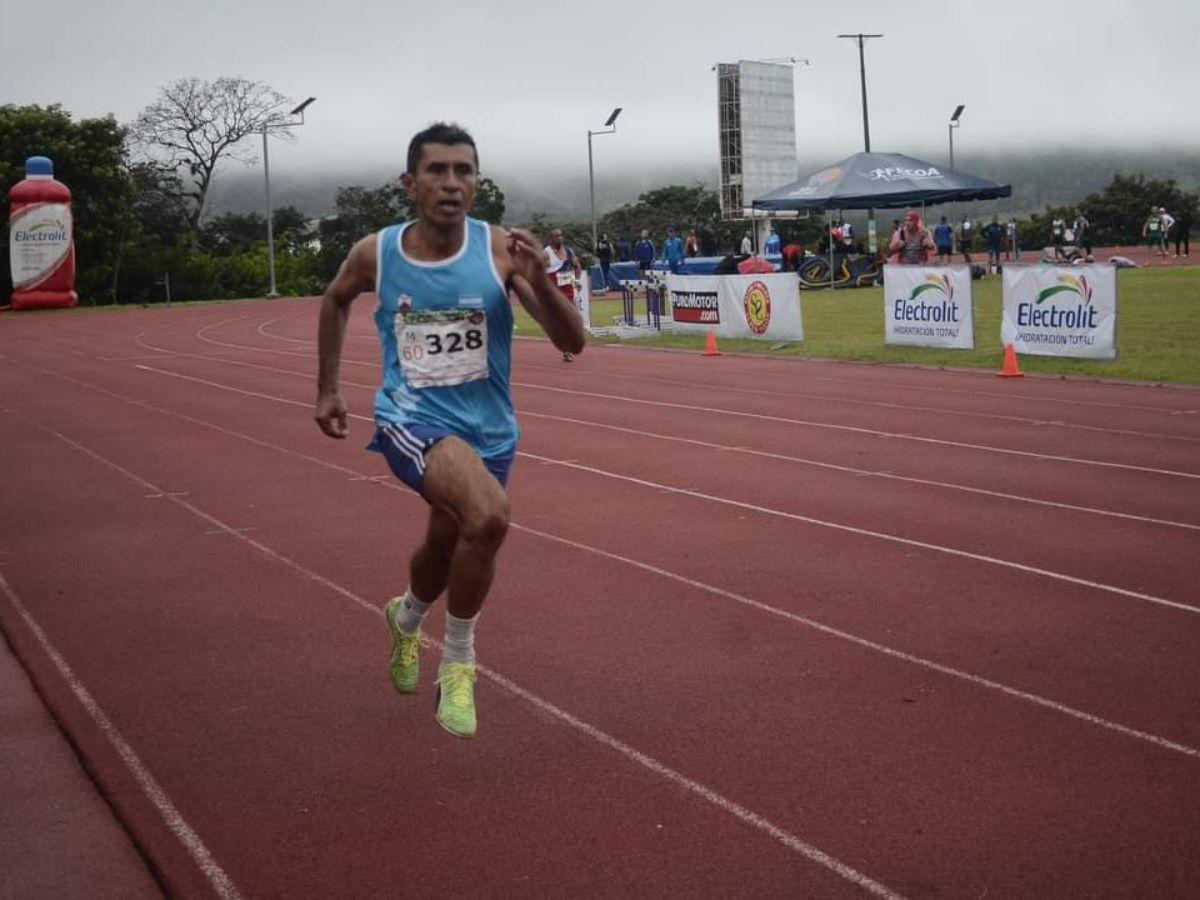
(879, 181)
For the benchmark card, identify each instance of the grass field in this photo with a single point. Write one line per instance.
(1158, 330)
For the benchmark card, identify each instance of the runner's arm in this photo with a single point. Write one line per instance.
(356, 274)
(538, 293)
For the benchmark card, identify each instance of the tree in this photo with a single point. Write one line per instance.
(1116, 214)
(291, 228)
(232, 232)
(489, 201)
(360, 211)
(89, 157)
(677, 206)
(195, 124)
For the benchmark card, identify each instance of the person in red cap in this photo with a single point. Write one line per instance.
(913, 244)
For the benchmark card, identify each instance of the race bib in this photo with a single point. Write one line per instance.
(442, 347)
(565, 278)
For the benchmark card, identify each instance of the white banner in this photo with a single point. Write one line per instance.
(583, 300)
(928, 306)
(1061, 310)
(737, 306)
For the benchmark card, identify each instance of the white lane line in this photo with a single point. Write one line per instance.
(1018, 498)
(275, 337)
(980, 374)
(903, 407)
(731, 807)
(864, 532)
(873, 473)
(388, 482)
(806, 423)
(764, 510)
(184, 833)
(851, 428)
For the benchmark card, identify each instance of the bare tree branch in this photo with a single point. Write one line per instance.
(195, 124)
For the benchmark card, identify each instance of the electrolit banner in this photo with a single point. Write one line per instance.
(1061, 310)
(928, 306)
(763, 306)
(39, 239)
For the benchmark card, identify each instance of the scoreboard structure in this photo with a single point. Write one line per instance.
(756, 115)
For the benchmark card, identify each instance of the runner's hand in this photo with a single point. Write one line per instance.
(331, 415)
(528, 258)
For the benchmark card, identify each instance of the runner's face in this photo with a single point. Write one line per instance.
(443, 187)
(556, 239)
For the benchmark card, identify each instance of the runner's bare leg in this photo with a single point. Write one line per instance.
(457, 482)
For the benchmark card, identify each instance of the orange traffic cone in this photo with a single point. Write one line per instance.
(710, 344)
(1010, 369)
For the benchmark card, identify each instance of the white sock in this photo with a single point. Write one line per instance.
(460, 639)
(411, 612)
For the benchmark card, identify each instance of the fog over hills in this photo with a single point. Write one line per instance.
(1039, 178)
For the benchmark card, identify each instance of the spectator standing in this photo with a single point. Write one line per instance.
(847, 236)
(993, 232)
(966, 237)
(643, 252)
(624, 250)
(747, 244)
(604, 253)
(1058, 235)
(1168, 222)
(773, 243)
(673, 251)
(912, 245)
(1183, 230)
(691, 246)
(1083, 234)
(1152, 230)
(708, 244)
(1013, 250)
(943, 238)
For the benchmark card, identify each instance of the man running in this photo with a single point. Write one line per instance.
(444, 414)
(562, 265)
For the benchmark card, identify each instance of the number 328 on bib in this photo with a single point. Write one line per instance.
(441, 348)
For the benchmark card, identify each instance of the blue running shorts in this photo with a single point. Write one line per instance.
(404, 447)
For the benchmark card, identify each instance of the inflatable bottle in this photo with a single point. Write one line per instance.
(40, 242)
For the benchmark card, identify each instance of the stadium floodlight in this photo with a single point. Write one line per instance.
(954, 123)
(862, 70)
(299, 110)
(610, 127)
(267, 126)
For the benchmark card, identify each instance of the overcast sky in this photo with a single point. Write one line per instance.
(529, 78)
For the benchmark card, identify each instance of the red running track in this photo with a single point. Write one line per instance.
(763, 627)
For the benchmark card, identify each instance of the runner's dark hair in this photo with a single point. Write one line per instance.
(438, 133)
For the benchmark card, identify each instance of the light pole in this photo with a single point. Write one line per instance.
(610, 127)
(862, 72)
(954, 123)
(298, 111)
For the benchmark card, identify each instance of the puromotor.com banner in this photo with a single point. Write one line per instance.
(928, 306)
(1061, 310)
(741, 306)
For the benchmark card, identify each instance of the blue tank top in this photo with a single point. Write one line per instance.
(439, 368)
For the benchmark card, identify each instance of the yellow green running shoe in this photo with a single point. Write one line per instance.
(456, 698)
(405, 664)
